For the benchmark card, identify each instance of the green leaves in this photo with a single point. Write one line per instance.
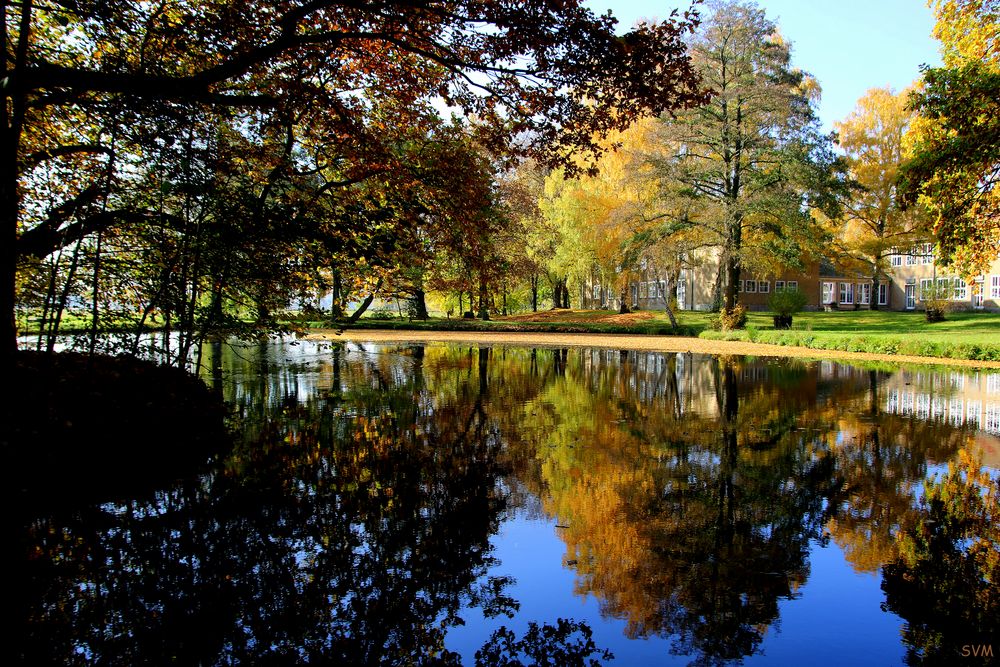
(953, 171)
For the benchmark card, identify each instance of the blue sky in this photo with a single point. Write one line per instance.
(848, 45)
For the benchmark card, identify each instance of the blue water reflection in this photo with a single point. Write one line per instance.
(401, 504)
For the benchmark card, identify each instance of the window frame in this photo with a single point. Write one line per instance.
(846, 293)
(828, 292)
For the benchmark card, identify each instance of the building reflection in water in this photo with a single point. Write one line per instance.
(354, 520)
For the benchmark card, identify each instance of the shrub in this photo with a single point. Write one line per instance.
(729, 321)
(787, 302)
(937, 300)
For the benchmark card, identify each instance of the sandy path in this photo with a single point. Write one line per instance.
(630, 342)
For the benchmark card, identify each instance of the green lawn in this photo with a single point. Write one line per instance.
(964, 335)
(890, 322)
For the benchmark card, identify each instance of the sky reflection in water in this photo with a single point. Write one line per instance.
(687, 509)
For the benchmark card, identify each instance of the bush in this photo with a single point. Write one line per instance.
(732, 320)
(784, 304)
(937, 301)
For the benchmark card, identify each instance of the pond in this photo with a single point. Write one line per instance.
(417, 504)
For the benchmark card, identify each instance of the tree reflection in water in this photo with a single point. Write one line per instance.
(690, 524)
(349, 530)
(353, 522)
(945, 580)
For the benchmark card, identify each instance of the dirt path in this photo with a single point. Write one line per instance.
(631, 342)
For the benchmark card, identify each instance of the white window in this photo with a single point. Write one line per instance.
(910, 293)
(892, 401)
(911, 257)
(682, 293)
(894, 257)
(740, 286)
(883, 294)
(927, 256)
(978, 292)
(956, 411)
(974, 414)
(847, 293)
(864, 293)
(961, 290)
(597, 291)
(926, 289)
(827, 292)
(923, 409)
(995, 287)
(779, 285)
(906, 402)
(750, 286)
(792, 285)
(992, 418)
(764, 286)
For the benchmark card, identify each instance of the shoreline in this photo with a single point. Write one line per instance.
(644, 342)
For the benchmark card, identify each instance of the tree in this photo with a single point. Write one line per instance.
(77, 73)
(752, 157)
(872, 222)
(943, 581)
(955, 167)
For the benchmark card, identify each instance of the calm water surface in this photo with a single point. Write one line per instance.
(390, 504)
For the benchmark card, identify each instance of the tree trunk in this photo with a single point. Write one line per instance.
(565, 293)
(717, 289)
(364, 304)
(11, 123)
(50, 298)
(419, 301)
(95, 303)
(484, 313)
(534, 292)
(873, 297)
(671, 290)
(623, 301)
(731, 296)
(336, 297)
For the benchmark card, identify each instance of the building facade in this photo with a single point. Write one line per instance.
(913, 278)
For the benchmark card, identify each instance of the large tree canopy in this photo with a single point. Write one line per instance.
(94, 90)
(872, 138)
(752, 160)
(955, 167)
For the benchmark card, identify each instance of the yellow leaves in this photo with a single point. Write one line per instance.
(969, 30)
(810, 88)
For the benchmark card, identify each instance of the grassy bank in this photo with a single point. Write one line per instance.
(974, 336)
(967, 335)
